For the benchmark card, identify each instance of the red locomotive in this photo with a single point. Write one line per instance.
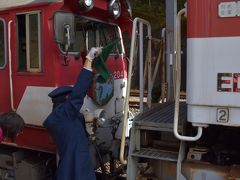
(43, 46)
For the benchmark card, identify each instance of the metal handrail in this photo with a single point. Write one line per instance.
(178, 85)
(10, 65)
(133, 40)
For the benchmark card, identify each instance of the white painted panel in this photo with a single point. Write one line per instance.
(208, 115)
(5, 4)
(35, 105)
(205, 59)
(110, 107)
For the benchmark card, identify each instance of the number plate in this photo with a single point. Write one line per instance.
(229, 9)
(222, 115)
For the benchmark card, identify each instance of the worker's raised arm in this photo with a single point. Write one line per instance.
(79, 91)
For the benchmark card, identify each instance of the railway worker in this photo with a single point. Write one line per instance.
(67, 126)
(11, 124)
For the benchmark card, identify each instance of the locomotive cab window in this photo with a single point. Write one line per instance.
(93, 34)
(2, 44)
(29, 42)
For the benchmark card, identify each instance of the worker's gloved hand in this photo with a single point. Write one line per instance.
(93, 53)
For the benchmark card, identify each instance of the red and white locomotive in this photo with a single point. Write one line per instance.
(43, 46)
(206, 123)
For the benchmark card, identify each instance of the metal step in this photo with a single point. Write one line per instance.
(156, 154)
(161, 117)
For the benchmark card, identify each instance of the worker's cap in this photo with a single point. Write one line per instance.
(59, 95)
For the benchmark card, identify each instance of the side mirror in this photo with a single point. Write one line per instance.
(64, 28)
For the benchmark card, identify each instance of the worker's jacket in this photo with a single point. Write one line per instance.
(67, 126)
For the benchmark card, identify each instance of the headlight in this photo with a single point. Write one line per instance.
(86, 5)
(114, 8)
(101, 116)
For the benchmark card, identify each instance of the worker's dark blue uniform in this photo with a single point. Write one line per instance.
(67, 126)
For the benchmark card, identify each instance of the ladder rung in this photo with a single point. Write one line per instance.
(156, 154)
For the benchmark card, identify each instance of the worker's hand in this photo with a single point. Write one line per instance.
(93, 53)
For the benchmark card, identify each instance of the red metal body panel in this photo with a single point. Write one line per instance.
(37, 139)
(203, 20)
(5, 90)
(5, 104)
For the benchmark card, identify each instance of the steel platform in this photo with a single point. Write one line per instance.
(161, 117)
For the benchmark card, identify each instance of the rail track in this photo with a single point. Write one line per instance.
(134, 99)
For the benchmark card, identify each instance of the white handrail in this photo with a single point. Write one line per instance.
(125, 117)
(178, 85)
(10, 65)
